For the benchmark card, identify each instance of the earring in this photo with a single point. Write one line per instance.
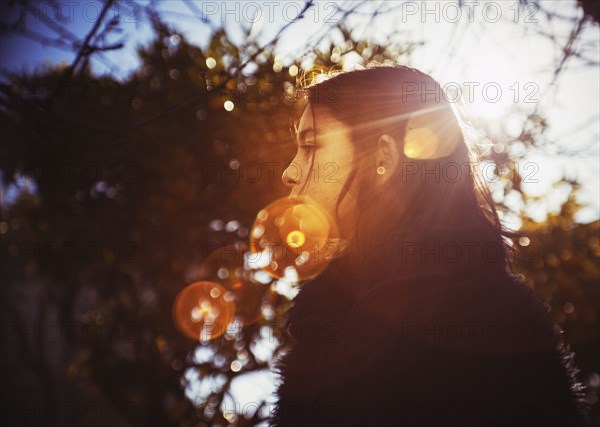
(381, 169)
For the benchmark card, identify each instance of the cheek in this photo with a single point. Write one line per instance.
(335, 164)
(350, 202)
(331, 187)
(346, 214)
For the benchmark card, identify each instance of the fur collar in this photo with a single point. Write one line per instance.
(394, 354)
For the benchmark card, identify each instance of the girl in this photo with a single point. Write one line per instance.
(420, 321)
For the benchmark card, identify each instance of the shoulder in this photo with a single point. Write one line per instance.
(434, 340)
(462, 314)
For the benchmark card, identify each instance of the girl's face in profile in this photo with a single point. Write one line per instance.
(333, 154)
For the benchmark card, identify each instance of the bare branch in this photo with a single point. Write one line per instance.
(83, 51)
(191, 100)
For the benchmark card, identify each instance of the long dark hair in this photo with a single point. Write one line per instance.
(354, 312)
(435, 211)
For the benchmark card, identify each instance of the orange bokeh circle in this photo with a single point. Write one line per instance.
(294, 234)
(226, 265)
(203, 310)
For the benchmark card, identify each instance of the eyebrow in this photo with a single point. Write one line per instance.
(301, 136)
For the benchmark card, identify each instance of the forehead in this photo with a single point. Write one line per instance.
(306, 120)
(325, 121)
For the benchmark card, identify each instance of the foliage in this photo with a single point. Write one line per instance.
(116, 190)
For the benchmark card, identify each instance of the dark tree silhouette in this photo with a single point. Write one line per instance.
(114, 193)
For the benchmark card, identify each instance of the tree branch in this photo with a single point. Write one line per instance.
(83, 51)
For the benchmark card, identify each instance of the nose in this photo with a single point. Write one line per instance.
(289, 178)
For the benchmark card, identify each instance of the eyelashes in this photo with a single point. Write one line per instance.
(307, 148)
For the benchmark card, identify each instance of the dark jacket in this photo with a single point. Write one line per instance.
(425, 350)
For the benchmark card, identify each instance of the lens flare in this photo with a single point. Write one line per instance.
(295, 234)
(295, 239)
(420, 143)
(424, 132)
(232, 266)
(203, 310)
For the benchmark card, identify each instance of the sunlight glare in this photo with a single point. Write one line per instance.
(496, 91)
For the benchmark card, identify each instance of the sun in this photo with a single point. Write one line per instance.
(491, 87)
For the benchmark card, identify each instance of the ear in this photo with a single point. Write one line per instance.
(386, 155)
